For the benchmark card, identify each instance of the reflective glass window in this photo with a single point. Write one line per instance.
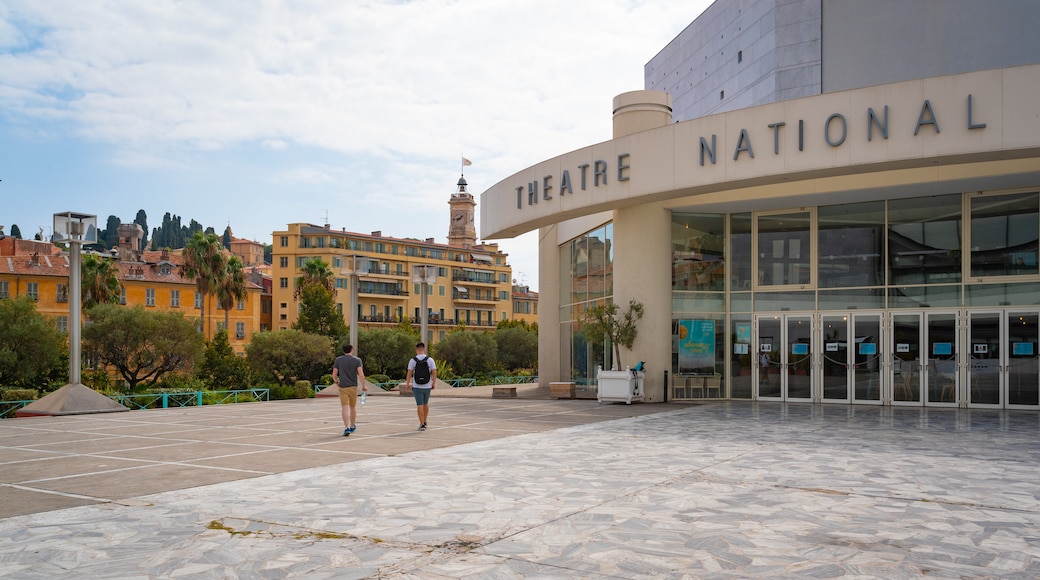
(784, 249)
(924, 240)
(1004, 234)
(852, 245)
(698, 252)
(740, 251)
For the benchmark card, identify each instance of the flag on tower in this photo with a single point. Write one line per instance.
(466, 162)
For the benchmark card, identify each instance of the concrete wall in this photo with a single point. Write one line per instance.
(740, 53)
(887, 41)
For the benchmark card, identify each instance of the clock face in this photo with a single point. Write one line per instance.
(457, 216)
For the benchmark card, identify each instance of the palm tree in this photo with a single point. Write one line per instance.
(232, 287)
(99, 283)
(204, 262)
(315, 271)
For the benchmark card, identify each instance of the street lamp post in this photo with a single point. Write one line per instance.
(424, 276)
(75, 229)
(75, 398)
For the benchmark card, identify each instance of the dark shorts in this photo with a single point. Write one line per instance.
(422, 396)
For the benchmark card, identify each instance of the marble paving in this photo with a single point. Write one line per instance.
(720, 490)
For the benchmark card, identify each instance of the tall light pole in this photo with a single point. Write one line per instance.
(357, 265)
(75, 398)
(424, 276)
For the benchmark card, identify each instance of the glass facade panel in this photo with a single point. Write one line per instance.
(586, 265)
(924, 240)
(785, 301)
(784, 249)
(698, 302)
(852, 245)
(740, 250)
(1025, 294)
(698, 252)
(860, 298)
(742, 358)
(924, 297)
(1004, 234)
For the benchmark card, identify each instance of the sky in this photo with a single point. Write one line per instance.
(354, 113)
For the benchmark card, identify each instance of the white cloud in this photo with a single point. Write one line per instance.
(393, 93)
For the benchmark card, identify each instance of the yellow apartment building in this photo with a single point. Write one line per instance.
(525, 304)
(473, 286)
(153, 279)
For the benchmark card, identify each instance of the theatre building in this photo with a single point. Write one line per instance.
(815, 201)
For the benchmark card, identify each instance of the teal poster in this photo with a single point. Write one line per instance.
(697, 347)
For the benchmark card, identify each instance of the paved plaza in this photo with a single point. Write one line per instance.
(522, 488)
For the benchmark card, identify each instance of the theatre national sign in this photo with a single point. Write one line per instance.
(835, 131)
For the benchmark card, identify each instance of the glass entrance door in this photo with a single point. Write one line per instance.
(850, 361)
(786, 349)
(905, 356)
(1023, 379)
(941, 378)
(866, 358)
(1002, 372)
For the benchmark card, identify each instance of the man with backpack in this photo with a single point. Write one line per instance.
(423, 370)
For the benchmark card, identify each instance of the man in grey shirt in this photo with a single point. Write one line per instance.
(348, 374)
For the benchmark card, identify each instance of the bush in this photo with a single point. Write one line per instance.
(281, 392)
(98, 380)
(179, 382)
(19, 394)
(326, 379)
(377, 378)
(302, 390)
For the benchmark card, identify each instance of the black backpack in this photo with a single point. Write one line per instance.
(421, 375)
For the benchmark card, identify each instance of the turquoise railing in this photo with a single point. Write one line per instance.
(191, 398)
(9, 408)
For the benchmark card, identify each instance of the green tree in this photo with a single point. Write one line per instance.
(16, 232)
(315, 271)
(204, 263)
(288, 355)
(231, 287)
(30, 346)
(99, 281)
(141, 219)
(221, 368)
(386, 352)
(268, 253)
(604, 323)
(318, 313)
(226, 238)
(468, 353)
(142, 345)
(109, 237)
(517, 347)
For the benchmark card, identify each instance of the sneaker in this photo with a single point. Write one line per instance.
(422, 427)
(352, 428)
(346, 432)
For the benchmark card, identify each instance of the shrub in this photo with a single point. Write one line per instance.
(281, 392)
(302, 390)
(377, 378)
(326, 379)
(19, 394)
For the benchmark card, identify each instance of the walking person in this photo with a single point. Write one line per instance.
(423, 370)
(348, 373)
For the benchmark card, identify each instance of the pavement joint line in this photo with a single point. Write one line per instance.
(67, 494)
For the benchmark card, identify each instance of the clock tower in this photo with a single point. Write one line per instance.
(463, 229)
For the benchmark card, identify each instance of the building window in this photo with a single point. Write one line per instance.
(283, 282)
(4, 290)
(33, 290)
(1004, 234)
(63, 293)
(149, 297)
(122, 296)
(284, 241)
(241, 305)
(220, 326)
(240, 330)
(283, 261)
(198, 300)
(740, 56)
(175, 298)
(62, 322)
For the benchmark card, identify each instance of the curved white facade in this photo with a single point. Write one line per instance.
(971, 134)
